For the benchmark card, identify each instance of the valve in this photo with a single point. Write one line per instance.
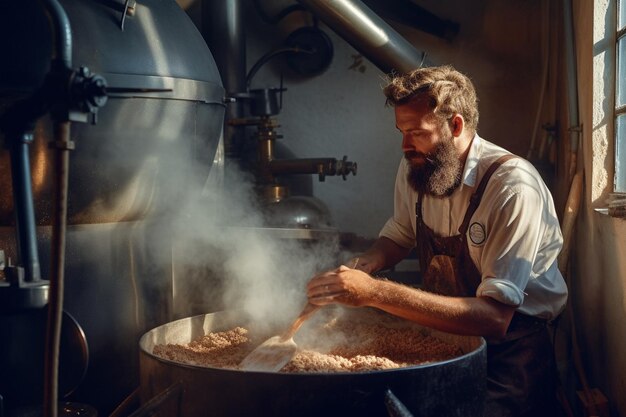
(345, 167)
(88, 92)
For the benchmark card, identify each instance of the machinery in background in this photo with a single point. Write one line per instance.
(130, 177)
(158, 140)
(284, 195)
(308, 51)
(275, 194)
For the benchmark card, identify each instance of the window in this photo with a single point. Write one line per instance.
(620, 101)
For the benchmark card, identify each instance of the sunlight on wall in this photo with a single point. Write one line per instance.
(602, 114)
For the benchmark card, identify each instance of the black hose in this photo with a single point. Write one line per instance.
(270, 55)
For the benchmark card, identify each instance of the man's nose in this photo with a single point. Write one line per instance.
(408, 144)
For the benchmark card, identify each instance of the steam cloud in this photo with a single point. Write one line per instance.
(234, 263)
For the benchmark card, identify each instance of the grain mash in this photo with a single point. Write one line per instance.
(340, 343)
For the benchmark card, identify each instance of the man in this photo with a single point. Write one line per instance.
(487, 237)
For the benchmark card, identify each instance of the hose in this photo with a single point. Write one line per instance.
(57, 260)
(267, 57)
(62, 59)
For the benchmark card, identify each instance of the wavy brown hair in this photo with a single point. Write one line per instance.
(450, 92)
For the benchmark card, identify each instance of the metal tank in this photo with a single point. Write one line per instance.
(450, 388)
(122, 165)
(151, 150)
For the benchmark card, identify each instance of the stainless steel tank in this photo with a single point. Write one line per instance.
(122, 167)
(130, 173)
(454, 387)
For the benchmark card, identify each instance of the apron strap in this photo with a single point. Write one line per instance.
(478, 194)
(418, 206)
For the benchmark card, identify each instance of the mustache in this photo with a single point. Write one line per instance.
(410, 155)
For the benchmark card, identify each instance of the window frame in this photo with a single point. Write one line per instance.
(619, 176)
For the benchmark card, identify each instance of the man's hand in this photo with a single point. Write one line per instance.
(477, 316)
(342, 285)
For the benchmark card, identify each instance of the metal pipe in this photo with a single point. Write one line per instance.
(572, 85)
(61, 31)
(23, 206)
(407, 12)
(224, 32)
(320, 166)
(62, 60)
(57, 267)
(368, 33)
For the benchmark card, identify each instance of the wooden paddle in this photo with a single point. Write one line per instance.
(277, 351)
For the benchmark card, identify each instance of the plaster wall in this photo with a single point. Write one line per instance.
(598, 266)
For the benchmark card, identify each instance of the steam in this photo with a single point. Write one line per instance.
(233, 263)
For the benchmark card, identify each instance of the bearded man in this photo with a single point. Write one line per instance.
(487, 237)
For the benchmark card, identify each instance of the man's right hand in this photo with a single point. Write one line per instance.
(342, 285)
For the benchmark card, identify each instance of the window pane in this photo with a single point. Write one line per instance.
(620, 93)
(620, 153)
(622, 14)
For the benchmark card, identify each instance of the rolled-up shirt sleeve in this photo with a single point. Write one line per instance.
(502, 291)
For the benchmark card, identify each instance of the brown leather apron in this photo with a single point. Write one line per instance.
(520, 368)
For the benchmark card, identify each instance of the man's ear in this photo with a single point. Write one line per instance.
(457, 123)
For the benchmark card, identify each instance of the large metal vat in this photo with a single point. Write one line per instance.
(123, 166)
(449, 388)
(150, 152)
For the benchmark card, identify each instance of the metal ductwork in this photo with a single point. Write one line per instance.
(368, 33)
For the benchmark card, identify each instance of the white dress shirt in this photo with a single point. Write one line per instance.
(514, 236)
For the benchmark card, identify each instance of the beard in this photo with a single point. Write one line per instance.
(437, 173)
